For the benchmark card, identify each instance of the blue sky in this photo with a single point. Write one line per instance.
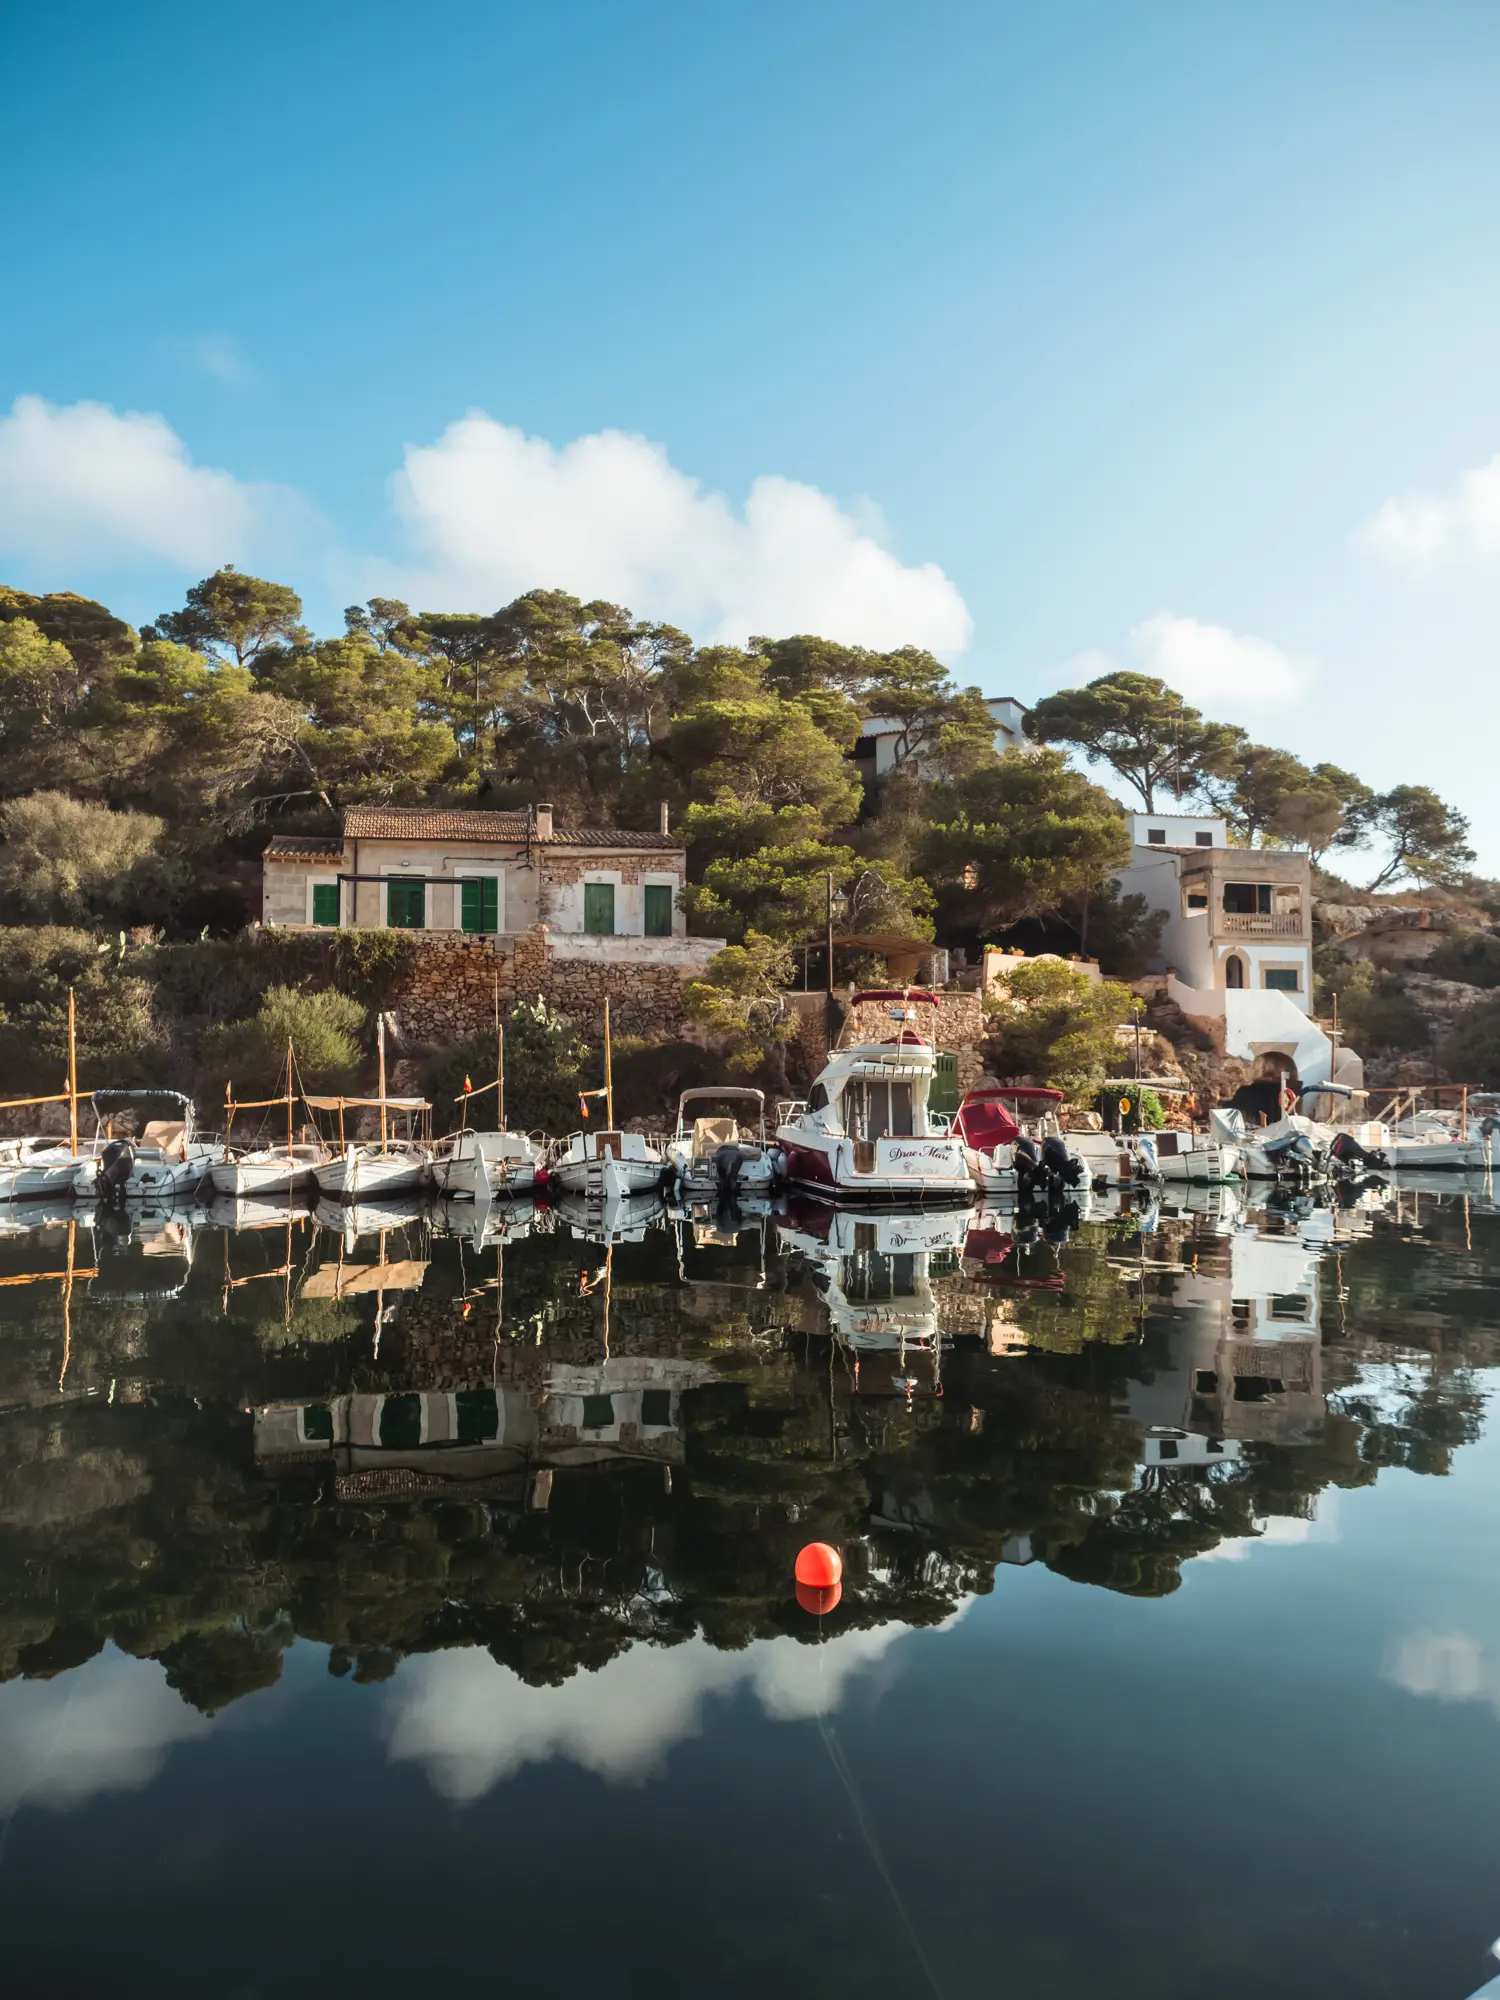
(1046, 336)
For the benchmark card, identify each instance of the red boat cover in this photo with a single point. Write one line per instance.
(984, 1123)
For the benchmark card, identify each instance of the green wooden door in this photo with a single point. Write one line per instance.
(599, 908)
(481, 904)
(943, 1097)
(325, 903)
(658, 910)
(405, 906)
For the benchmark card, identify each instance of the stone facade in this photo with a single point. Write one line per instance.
(957, 1026)
(449, 995)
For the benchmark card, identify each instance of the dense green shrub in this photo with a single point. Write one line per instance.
(1375, 1010)
(1471, 1053)
(1470, 956)
(324, 1029)
(1063, 1034)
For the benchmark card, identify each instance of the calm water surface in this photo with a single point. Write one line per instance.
(382, 1607)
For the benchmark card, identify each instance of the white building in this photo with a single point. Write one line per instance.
(878, 747)
(1237, 942)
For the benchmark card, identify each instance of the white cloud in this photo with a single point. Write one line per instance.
(83, 483)
(1222, 672)
(1416, 532)
(472, 1724)
(491, 512)
(105, 1727)
(1445, 1666)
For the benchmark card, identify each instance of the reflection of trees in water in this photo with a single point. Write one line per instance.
(146, 1520)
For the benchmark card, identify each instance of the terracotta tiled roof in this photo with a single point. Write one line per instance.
(305, 847)
(430, 823)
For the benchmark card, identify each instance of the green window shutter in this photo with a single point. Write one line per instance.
(598, 1413)
(401, 1422)
(317, 1423)
(599, 908)
(943, 1096)
(658, 910)
(656, 1409)
(481, 904)
(325, 903)
(405, 906)
(478, 1416)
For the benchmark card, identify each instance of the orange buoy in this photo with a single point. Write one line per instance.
(819, 1598)
(819, 1565)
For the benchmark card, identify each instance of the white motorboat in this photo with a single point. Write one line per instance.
(864, 1132)
(1016, 1147)
(39, 1168)
(488, 1166)
(716, 1154)
(1196, 1157)
(167, 1161)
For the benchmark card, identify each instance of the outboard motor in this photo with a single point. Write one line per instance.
(1028, 1164)
(116, 1165)
(728, 1160)
(1294, 1155)
(1063, 1169)
(1349, 1154)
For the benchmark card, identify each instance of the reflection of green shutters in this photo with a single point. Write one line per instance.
(658, 910)
(656, 1408)
(401, 1423)
(943, 1096)
(405, 906)
(325, 902)
(478, 1416)
(598, 1413)
(317, 1423)
(599, 908)
(481, 904)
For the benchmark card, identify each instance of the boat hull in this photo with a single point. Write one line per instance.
(149, 1180)
(243, 1178)
(357, 1176)
(946, 1178)
(614, 1180)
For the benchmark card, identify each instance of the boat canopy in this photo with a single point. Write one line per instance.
(723, 1090)
(364, 1103)
(984, 1123)
(108, 1102)
(1030, 1093)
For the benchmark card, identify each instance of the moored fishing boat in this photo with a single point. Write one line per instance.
(268, 1170)
(366, 1169)
(715, 1157)
(489, 1166)
(609, 1165)
(864, 1132)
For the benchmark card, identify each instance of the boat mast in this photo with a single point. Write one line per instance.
(380, 1045)
(289, 1099)
(499, 1063)
(72, 1077)
(609, 1075)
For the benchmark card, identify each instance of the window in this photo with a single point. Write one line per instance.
(1234, 971)
(599, 908)
(479, 904)
(1247, 899)
(1283, 979)
(818, 1100)
(1203, 839)
(1166, 1447)
(656, 1408)
(598, 1413)
(1157, 836)
(1205, 1382)
(658, 909)
(1197, 899)
(1288, 1305)
(325, 903)
(405, 905)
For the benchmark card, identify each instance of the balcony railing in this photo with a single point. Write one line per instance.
(1233, 925)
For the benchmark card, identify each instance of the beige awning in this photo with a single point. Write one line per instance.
(342, 1281)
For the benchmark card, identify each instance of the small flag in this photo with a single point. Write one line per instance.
(467, 1085)
(583, 1106)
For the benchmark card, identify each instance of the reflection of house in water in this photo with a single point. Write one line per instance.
(489, 1440)
(1246, 1354)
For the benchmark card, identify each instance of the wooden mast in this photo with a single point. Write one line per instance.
(609, 1075)
(72, 1075)
(289, 1101)
(380, 1044)
(499, 1063)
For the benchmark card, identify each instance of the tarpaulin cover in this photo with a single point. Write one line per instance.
(984, 1123)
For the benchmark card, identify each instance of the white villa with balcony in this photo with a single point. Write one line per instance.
(1237, 942)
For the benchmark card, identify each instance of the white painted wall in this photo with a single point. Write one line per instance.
(1179, 829)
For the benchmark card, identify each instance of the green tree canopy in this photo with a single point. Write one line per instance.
(1141, 729)
(66, 860)
(1018, 838)
(1058, 1028)
(1428, 840)
(240, 617)
(324, 1028)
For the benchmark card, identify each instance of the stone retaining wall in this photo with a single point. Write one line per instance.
(449, 995)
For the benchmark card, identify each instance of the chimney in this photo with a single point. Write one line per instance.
(666, 817)
(544, 822)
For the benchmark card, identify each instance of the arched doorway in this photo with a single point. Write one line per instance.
(1234, 971)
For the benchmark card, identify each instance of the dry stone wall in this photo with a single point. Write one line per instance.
(449, 995)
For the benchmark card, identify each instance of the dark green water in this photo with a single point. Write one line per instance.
(402, 1614)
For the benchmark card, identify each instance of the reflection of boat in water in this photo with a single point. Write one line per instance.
(248, 1212)
(482, 1223)
(354, 1219)
(616, 1219)
(874, 1272)
(143, 1255)
(21, 1218)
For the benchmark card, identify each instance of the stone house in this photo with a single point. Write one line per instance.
(480, 874)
